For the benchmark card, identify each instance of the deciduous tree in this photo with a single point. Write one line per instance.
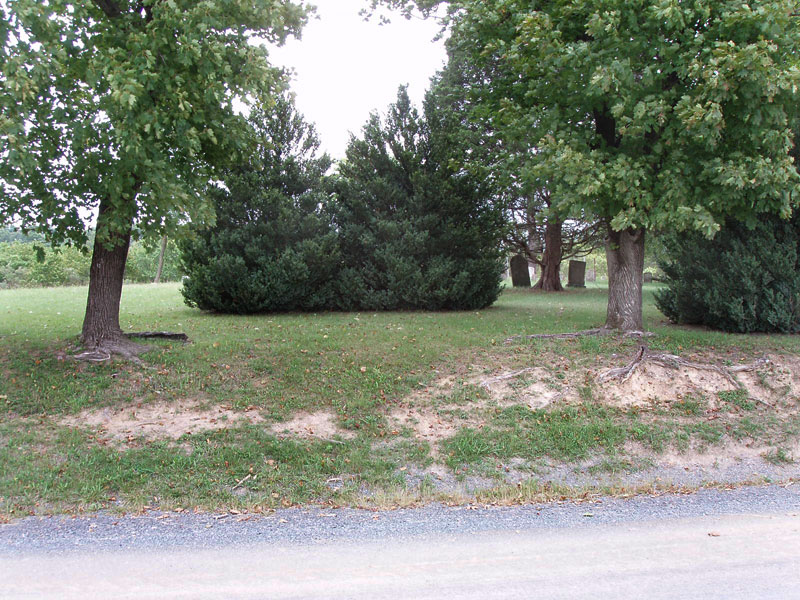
(538, 233)
(652, 114)
(125, 109)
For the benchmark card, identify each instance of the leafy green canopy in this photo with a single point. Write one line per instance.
(123, 99)
(652, 113)
(271, 248)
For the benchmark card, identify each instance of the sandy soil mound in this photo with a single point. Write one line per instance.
(320, 424)
(776, 382)
(176, 419)
(159, 421)
(777, 378)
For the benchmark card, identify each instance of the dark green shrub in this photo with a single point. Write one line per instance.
(744, 280)
(271, 248)
(416, 230)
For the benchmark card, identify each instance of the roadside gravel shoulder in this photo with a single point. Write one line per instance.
(314, 525)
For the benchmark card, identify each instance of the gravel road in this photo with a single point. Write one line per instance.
(742, 543)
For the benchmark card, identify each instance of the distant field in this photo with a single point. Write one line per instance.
(367, 409)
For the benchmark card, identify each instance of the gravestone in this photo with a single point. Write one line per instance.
(648, 278)
(577, 274)
(520, 277)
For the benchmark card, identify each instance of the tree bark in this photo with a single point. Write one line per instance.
(625, 254)
(550, 280)
(161, 260)
(101, 322)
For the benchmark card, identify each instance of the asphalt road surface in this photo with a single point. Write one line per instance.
(713, 544)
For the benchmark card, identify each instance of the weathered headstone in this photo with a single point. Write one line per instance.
(520, 277)
(577, 274)
(648, 278)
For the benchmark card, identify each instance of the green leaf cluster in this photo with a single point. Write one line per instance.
(128, 101)
(25, 263)
(653, 114)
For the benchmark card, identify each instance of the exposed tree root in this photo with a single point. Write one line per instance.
(486, 383)
(124, 348)
(120, 347)
(671, 361)
(578, 334)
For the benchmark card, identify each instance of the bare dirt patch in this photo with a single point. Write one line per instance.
(534, 387)
(776, 383)
(172, 420)
(427, 425)
(537, 387)
(159, 421)
(777, 379)
(320, 424)
(443, 386)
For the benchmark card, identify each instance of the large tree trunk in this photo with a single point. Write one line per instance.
(625, 254)
(550, 280)
(101, 330)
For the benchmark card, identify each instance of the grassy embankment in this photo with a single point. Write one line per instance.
(359, 370)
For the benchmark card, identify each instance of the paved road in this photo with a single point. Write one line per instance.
(714, 544)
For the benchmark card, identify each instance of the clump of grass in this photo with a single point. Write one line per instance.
(707, 433)
(690, 405)
(738, 398)
(568, 433)
(620, 464)
(652, 435)
(779, 456)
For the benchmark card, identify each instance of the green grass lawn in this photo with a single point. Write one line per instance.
(359, 367)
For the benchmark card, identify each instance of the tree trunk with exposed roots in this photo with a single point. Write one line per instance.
(625, 254)
(101, 334)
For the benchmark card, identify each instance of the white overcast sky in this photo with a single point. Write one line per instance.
(346, 67)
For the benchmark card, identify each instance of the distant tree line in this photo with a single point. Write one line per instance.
(26, 262)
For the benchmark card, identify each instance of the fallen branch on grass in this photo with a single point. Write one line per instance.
(671, 361)
(242, 480)
(330, 441)
(165, 335)
(95, 356)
